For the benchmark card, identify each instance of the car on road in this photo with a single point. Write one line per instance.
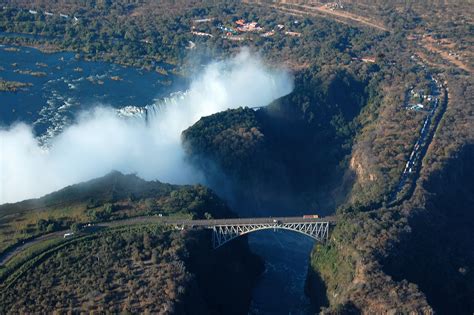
(311, 216)
(67, 235)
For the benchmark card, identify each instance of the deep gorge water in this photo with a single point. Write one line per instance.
(280, 290)
(67, 86)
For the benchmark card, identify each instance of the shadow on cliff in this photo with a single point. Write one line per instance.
(288, 158)
(438, 253)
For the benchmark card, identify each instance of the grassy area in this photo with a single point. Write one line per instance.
(49, 253)
(19, 226)
(109, 198)
(331, 265)
(132, 269)
(28, 258)
(108, 271)
(331, 261)
(23, 257)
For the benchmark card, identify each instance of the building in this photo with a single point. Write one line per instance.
(268, 34)
(201, 34)
(203, 20)
(294, 34)
(368, 59)
(249, 27)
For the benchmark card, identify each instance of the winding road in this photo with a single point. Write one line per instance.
(180, 223)
(413, 166)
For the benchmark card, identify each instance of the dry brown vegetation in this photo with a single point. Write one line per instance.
(448, 54)
(134, 271)
(313, 8)
(142, 268)
(363, 267)
(114, 196)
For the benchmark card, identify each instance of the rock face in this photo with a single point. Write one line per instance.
(437, 254)
(289, 155)
(361, 170)
(415, 257)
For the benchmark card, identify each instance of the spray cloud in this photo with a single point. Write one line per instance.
(101, 141)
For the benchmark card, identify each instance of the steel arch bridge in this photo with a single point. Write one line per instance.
(224, 233)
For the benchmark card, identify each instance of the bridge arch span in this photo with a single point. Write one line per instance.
(222, 234)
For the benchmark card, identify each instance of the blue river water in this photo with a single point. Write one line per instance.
(67, 86)
(280, 290)
(63, 86)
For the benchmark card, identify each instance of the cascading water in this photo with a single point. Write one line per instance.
(98, 139)
(69, 136)
(150, 113)
(155, 110)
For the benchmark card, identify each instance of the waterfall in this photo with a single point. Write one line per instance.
(156, 110)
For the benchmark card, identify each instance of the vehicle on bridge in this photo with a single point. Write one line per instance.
(310, 216)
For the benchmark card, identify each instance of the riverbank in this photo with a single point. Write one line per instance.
(49, 46)
(59, 85)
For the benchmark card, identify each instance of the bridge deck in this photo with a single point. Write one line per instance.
(225, 230)
(245, 224)
(244, 221)
(217, 222)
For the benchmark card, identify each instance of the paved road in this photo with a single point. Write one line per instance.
(214, 222)
(413, 166)
(5, 257)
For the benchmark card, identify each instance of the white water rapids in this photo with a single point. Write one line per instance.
(100, 140)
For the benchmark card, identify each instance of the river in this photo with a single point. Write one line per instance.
(280, 290)
(62, 86)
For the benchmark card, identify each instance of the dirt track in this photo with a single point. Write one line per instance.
(429, 44)
(319, 9)
(347, 15)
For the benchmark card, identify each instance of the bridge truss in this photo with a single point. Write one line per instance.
(221, 234)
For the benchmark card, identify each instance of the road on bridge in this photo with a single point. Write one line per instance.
(6, 256)
(213, 222)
